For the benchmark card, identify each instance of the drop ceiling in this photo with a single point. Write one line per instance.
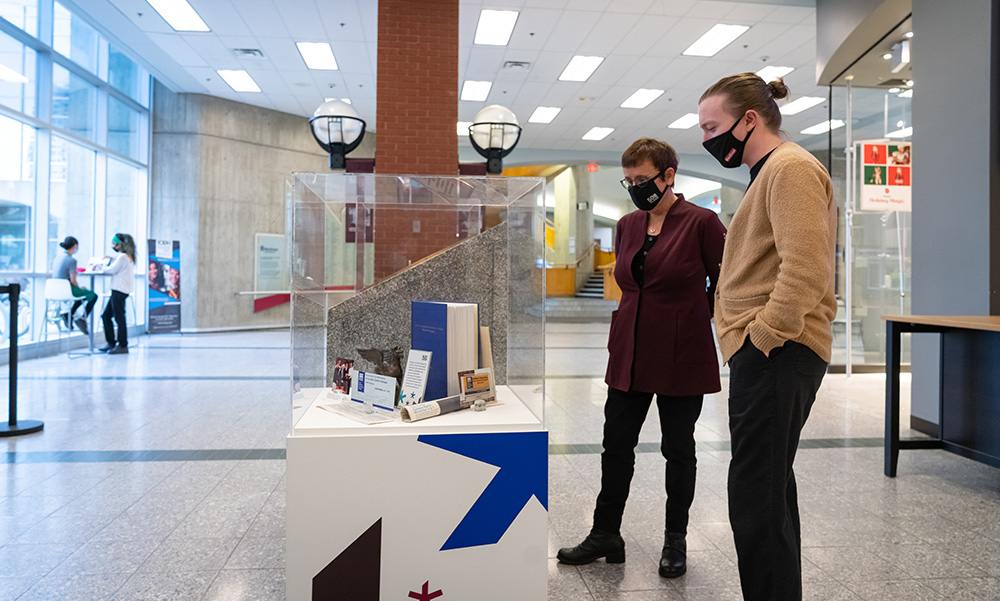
(641, 41)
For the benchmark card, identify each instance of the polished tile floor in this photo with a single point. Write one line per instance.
(160, 476)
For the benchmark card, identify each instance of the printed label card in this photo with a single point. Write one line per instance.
(418, 365)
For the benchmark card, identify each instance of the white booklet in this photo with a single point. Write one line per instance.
(415, 379)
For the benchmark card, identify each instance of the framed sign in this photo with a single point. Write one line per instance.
(886, 175)
(270, 263)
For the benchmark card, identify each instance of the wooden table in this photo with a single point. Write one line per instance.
(966, 372)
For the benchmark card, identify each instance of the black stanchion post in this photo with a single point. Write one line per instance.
(13, 428)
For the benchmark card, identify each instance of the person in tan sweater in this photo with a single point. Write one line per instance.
(774, 305)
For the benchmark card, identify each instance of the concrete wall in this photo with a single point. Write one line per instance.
(219, 176)
(956, 131)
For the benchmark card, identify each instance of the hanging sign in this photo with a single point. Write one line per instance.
(885, 176)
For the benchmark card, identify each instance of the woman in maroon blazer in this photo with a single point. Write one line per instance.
(668, 255)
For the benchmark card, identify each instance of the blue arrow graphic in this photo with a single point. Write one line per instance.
(523, 461)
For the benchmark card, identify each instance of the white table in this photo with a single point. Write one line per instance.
(458, 502)
(90, 335)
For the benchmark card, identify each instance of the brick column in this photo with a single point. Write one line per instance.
(417, 103)
(417, 109)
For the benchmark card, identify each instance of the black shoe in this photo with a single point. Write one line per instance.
(82, 324)
(65, 318)
(598, 544)
(119, 350)
(673, 560)
(106, 348)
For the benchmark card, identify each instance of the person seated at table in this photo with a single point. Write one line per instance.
(65, 269)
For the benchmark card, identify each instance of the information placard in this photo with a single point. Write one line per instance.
(270, 263)
(885, 176)
(415, 378)
(373, 390)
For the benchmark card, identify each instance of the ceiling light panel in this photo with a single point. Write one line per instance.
(179, 15)
(686, 122)
(239, 81)
(822, 128)
(476, 91)
(715, 39)
(317, 55)
(495, 27)
(598, 133)
(800, 104)
(641, 99)
(544, 114)
(580, 68)
(772, 72)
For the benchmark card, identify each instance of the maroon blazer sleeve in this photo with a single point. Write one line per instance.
(713, 238)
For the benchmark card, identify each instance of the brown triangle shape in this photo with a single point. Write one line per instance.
(354, 574)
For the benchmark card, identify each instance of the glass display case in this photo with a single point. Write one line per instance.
(365, 247)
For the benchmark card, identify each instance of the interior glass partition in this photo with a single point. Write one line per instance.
(871, 102)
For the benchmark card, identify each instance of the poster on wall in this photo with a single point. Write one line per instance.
(270, 263)
(164, 281)
(885, 176)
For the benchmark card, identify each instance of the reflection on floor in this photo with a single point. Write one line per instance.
(134, 492)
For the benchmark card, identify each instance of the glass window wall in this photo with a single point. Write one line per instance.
(75, 39)
(73, 103)
(126, 186)
(22, 14)
(123, 128)
(127, 77)
(17, 76)
(17, 193)
(68, 170)
(71, 197)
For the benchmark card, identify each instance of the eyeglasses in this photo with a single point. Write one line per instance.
(639, 180)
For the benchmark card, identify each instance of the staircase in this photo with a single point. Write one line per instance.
(594, 288)
(579, 310)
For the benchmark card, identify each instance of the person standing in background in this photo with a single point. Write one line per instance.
(122, 271)
(65, 268)
(773, 309)
(660, 344)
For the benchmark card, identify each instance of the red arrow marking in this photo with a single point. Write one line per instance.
(424, 595)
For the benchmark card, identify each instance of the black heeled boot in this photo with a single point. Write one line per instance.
(598, 544)
(673, 560)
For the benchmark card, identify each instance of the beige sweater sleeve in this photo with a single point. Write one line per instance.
(798, 209)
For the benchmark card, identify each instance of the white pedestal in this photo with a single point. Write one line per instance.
(457, 502)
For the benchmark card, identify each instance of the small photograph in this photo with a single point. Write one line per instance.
(899, 154)
(875, 153)
(157, 277)
(875, 175)
(342, 375)
(173, 277)
(899, 176)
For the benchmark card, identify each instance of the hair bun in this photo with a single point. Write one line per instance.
(778, 89)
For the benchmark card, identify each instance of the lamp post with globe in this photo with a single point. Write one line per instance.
(494, 134)
(338, 130)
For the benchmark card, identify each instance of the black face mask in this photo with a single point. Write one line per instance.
(647, 195)
(726, 148)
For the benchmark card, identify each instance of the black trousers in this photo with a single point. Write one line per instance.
(116, 308)
(624, 413)
(89, 308)
(769, 402)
